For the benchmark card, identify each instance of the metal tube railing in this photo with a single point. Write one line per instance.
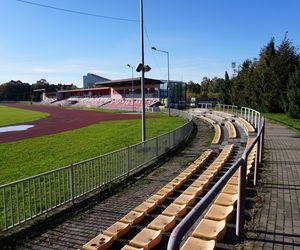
(28, 198)
(182, 228)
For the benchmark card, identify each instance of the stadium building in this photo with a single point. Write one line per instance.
(118, 94)
(90, 79)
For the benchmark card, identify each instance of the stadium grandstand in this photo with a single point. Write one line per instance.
(114, 94)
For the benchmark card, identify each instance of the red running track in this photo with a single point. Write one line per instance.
(59, 120)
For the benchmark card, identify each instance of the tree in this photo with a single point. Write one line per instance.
(225, 90)
(293, 94)
(15, 91)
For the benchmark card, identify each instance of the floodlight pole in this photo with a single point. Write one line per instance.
(168, 59)
(132, 87)
(143, 73)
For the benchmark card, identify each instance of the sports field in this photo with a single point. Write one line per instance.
(28, 157)
(11, 115)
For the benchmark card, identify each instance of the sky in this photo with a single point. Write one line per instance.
(202, 37)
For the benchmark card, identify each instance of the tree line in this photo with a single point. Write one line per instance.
(269, 83)
(20, 91)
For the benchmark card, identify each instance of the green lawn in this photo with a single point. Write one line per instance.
(284, 119)
(32, 156)
(9, 115)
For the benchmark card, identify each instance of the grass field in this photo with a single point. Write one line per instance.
(284, 119)
(9, 115)
(32, 156)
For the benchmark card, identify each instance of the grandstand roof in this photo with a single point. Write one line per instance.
(128, 81)
(79, 90)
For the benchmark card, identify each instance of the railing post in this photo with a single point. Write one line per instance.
(261, 145)
(127, 161)
(156, 142)
(174, 144)
(240, 214)
(255, 179)
(71, 183)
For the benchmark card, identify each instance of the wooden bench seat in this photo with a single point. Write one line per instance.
(165, 191)
(200, 183)
(163, 223)
(230, 189)
(185, 199)
(217, 135)
(233, 180)
(133, 217)
(147, 238)
(194, 190)
(246, 124)
(100, 242)
(127, 247)
(210, 229)
(226, 199)
(158, 199)
(145, 207)
(117, 229)
(193, 243)
(176, 210)
(217, 212)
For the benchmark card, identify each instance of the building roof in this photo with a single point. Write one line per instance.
(80, 90)
(128, 81)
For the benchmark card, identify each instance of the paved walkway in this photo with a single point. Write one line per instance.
(276, 224)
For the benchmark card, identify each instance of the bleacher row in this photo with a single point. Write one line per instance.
(103, 102)
(152, 234)
(211, 228)
(128, 104)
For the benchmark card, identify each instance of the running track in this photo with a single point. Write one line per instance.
(59, 120)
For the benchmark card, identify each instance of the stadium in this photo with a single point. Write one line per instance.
(120, 94)
(199, 150)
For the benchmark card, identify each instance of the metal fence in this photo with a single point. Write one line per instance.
(255, 118)
(28, 198)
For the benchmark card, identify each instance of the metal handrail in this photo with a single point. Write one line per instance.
(182, 228)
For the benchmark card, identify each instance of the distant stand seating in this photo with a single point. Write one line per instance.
(104, 102)
(48, 100)
(128, 104)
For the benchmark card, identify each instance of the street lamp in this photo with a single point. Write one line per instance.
(168, 59)
(132, 91)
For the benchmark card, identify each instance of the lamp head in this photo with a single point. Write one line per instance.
(139, 67)
(153, 48)
(147, 68)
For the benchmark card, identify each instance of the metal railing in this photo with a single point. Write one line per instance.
(28, 198)
(227, 108)
(241, 164)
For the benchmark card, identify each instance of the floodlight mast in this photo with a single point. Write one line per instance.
(143, 73)
(168, 82)
(132, 87)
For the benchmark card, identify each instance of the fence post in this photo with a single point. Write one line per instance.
(156, 142)
(71, 183)
(240, 213)
(127, 161)
(255, 179)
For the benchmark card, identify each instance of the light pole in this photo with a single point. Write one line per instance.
(143, 73)
(132, 91)
(168, 59)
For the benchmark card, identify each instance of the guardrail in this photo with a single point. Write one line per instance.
(241, 164)
(23, 200)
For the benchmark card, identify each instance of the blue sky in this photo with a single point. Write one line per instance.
(202, 37)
